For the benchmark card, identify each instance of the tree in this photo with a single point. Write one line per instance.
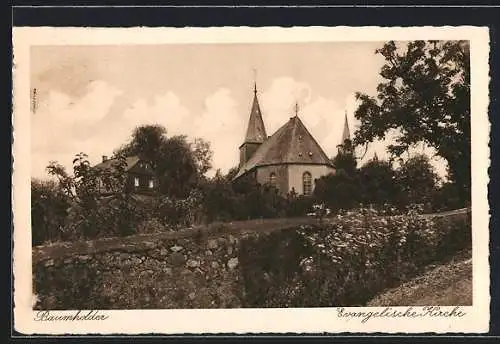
(219, 198)
(178, 164)
(417, 181)
(424, 98)
(90, 215)
(176, 167)
(446, 197)
(345, 159)
(338, 191)
(49, 209)
(146, 142)
(202, 155)
(377, 180)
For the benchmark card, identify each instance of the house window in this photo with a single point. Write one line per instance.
(307, 183)
(151, 184)
(136, 182)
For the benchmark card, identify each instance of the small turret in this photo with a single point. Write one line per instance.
(256, 131)
(345, 144)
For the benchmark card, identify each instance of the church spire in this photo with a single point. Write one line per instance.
(346, 134)
(256, 131)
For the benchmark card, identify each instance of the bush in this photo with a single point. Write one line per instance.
(152, 225)
(349, 262)
(299, 206)
(49, 209)
(181, 212)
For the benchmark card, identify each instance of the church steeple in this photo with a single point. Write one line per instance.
(345, 147)
(346, 134)
(256, 131)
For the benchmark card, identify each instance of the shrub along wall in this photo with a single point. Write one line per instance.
(344, 261)
(348, 262)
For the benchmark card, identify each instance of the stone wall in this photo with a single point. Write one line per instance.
(188, 269)
(266, 263)
(183, 273)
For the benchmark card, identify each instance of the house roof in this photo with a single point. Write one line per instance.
(290, 144)
(256, 131)
(131, 161)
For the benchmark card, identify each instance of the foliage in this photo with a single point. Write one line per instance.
(225, 201)
(339, 190)
(181, 212)
(178, 164)
(349, 260)
(424, 97)
(49, 209)
(202, 155)
(378, 183)
(447, 197)
(92, 215)
(145, 143)
(220, 201)
(345, 160)
(298, 205)
(417, 181)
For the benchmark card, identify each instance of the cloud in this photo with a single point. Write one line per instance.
(60, 122)
(278, 101)
(166, 110)
(323, 117)
(221, 125)
(65, 125)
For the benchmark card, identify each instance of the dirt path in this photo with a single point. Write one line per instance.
(449, 284)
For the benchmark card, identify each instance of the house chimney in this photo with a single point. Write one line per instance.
(104, 158)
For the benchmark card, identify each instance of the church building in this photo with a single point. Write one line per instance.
(290, 159)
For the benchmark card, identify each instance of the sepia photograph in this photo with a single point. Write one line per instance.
(252, 175)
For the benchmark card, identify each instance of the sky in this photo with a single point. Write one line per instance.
(90, 98)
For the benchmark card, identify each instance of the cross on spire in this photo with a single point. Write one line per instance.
(296, 108)
(254, 80)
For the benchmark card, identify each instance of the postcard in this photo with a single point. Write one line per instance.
(250, 180)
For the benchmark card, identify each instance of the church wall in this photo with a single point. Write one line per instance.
(281, 176)
(295, 173)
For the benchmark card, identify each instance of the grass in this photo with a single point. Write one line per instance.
(447, 284)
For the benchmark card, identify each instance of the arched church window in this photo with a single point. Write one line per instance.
(272, 179)
(307, 183)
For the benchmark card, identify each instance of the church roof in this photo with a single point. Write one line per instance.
(290, 144)
(256, 132)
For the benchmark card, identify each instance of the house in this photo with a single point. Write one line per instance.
(140, 177)
(290, 159)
